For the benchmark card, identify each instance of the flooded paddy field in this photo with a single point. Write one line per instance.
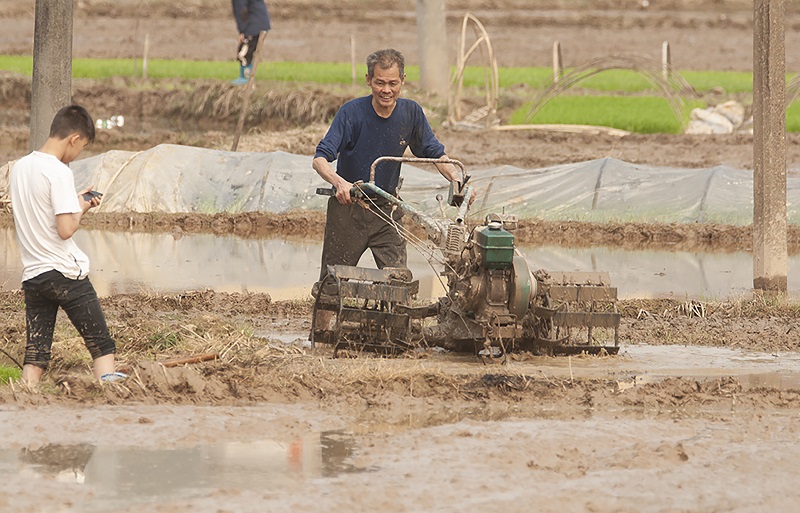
(703, 397)
(287, 268)
(698, 412)
(257, 459)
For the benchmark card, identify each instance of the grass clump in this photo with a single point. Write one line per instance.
(793, 117)
(8, 373)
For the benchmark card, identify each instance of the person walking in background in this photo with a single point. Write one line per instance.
(55, 272)
(251, 17)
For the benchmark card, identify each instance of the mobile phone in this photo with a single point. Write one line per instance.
(88, 196)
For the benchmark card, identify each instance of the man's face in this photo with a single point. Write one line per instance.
(386, 85)
(74, 148)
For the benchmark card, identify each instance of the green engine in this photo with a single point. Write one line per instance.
(495, 246)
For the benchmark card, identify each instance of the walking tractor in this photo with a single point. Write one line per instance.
(494, 304)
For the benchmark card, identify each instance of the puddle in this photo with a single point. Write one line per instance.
(650, 364)
(158, 263)
(116, 476)
(635, 365)
(639, 364)
(287, 339)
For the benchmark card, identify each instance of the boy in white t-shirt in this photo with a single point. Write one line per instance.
(47, 212)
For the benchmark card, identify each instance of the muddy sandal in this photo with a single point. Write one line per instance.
(113, 376)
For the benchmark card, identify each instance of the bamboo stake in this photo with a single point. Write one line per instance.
(144, 56)
(353, 58)
(666, 60)
(558, 63)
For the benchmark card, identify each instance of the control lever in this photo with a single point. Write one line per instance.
(440, 200)
(456, 197)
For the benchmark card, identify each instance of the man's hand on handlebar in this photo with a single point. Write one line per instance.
(343, 188)
(459, 187)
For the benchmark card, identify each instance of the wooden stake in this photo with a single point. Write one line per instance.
(558, 64)
(666, 60)
(251, 82)
(144, 56)
(353, 58)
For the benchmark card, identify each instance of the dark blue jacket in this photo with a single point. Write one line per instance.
(251, 16)
(358, 136)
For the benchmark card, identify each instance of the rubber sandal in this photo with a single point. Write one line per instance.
(113, 376)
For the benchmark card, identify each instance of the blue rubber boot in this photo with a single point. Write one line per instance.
(244, 75)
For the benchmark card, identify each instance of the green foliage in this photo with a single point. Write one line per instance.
(729, 81)
(163, 341)
(646, 114)
(316, 72)
(507, 77)
(641, 114)
(618, 80)
(9, 373)
(341, 73)
(793, 117)
(17, 63)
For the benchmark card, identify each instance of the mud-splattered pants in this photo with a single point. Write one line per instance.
(246, 50)
(351, 229)
(43, 295)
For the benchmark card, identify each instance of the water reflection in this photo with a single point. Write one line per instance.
(157, 262)
(752, 369)
(122, 475)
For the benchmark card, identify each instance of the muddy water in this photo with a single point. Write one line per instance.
(641, 364)
(159, 263)
(121, 476)
(732, 462)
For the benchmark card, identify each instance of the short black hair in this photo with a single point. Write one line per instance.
(385, 59)
(72, 119)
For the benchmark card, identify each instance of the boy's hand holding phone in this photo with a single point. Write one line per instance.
(90, 195)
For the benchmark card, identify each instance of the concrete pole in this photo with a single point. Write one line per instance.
(434, 72)
(52, 66)
(770, 254)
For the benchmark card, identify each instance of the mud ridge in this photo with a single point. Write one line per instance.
(310, 224)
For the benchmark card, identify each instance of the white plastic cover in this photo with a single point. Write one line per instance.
(172, 178)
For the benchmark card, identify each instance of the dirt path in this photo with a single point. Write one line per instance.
(320, 31)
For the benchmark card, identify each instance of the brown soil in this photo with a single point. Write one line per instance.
(595, 436)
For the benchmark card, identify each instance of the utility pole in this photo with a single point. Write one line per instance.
(770, 253)
(434, 73)
(51, 84)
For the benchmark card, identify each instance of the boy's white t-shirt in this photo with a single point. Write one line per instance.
(42, 187)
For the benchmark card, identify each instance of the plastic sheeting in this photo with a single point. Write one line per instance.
(612, 190)
(171, 178)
